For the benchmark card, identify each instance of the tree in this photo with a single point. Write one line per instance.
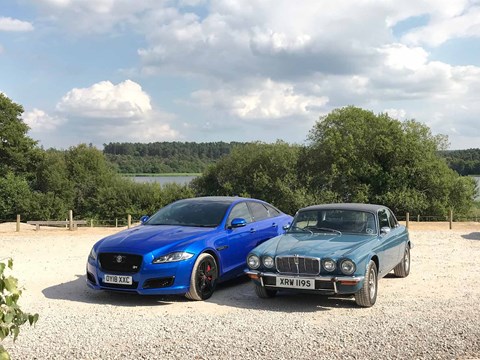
(357, 156)
(264, 171)
(18, 152)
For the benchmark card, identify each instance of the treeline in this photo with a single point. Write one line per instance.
(166, 157)
(465, 162)
(352, 155)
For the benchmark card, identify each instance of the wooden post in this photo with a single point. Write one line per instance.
(129, 221)
(70, 220)
(116, 222)
(451, 218)
(408, 219)
(91, 222)
(418, 218)
(18, 223)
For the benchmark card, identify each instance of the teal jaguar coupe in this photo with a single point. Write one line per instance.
(333, 249)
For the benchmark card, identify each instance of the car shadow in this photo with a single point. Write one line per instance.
(240, 293)
(237, 293)
(472, 236)
(78, 291)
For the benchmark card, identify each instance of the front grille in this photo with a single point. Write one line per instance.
(119, 262)
(158, 283)
(298, 265)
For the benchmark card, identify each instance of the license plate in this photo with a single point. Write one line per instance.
(117, 279)
(295, 283)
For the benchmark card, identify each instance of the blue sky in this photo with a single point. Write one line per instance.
(100, 71)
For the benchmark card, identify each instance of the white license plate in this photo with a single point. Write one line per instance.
(295, 283)
(117, 279)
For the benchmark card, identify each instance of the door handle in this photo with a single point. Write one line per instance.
(274, 225)
(252, 230)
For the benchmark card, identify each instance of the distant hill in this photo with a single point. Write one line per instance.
(166, 157)
(465, 162)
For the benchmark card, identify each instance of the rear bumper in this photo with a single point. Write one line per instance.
(323, 284)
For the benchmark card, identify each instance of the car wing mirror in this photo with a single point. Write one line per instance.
(144, 219)
(237, 222)
(385, 230)
(286, 226)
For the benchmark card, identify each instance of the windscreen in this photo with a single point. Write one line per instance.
(191, 213)
(334, 220)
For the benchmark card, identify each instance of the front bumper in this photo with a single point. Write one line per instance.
(323, 284)
(162, 279)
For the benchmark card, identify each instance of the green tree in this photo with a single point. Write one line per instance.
(15, 196)
(18, 152)
(357, 156)
(264, 171)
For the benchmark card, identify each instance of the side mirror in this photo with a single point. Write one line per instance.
(238, 222)
(144, 219)
(385, 230)
(286, 226)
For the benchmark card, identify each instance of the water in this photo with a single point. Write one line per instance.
(162, 180)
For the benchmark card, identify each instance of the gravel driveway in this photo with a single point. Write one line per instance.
(432, 314)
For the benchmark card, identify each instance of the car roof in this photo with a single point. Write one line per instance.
(220, 199)
(346, 206)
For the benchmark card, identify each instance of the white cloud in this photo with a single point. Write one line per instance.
(266, 101)
(399, 114)
(9, 24)
(39, 121)
(106, 100)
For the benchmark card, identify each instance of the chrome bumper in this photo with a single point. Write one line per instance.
(344, 280)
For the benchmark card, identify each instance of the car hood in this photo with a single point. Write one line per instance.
(145, 238)
(316, 245)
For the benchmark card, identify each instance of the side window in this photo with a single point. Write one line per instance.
(240, 211)
(259, 211)
(383, 219)
(272, 211)
(393, 220)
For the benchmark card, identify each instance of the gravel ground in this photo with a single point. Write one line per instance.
(432, 314)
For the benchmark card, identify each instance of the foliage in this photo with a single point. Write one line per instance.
(18, 152)
(357, 156)
(465, 162)
(265, 171)
(11, 316)
(165, 157)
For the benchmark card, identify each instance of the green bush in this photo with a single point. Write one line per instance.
(11, 316)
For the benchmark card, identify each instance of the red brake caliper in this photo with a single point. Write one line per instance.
(208, 270)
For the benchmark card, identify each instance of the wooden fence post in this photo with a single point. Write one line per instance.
(129, 220)
(408, 219)
(418, 218)
(451, 218)
(70, 219)
(116, 222)
(18, 223)
(91, 222)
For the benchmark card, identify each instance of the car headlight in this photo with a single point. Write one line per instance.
(172, 257)
(93, 254)
(347, 266)
(268, 261)
(253, 262)
(329, 265)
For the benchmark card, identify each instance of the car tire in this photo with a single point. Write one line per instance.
(403, 268)
(367, 295)
(204, 278)
(264, 293)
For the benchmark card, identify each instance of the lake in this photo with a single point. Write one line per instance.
(181, 180)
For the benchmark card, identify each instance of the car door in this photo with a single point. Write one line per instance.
(388, 249)
(265, 225)
(240, 240)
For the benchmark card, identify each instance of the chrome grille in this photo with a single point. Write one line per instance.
(298, 265)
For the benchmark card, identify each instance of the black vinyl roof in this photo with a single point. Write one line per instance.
(346, 206)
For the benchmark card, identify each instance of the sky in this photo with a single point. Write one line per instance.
(101, 71)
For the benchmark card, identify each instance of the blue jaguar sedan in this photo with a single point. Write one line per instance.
(333, 249)
(185, 248)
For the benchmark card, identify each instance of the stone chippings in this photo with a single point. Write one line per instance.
(426, 316)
